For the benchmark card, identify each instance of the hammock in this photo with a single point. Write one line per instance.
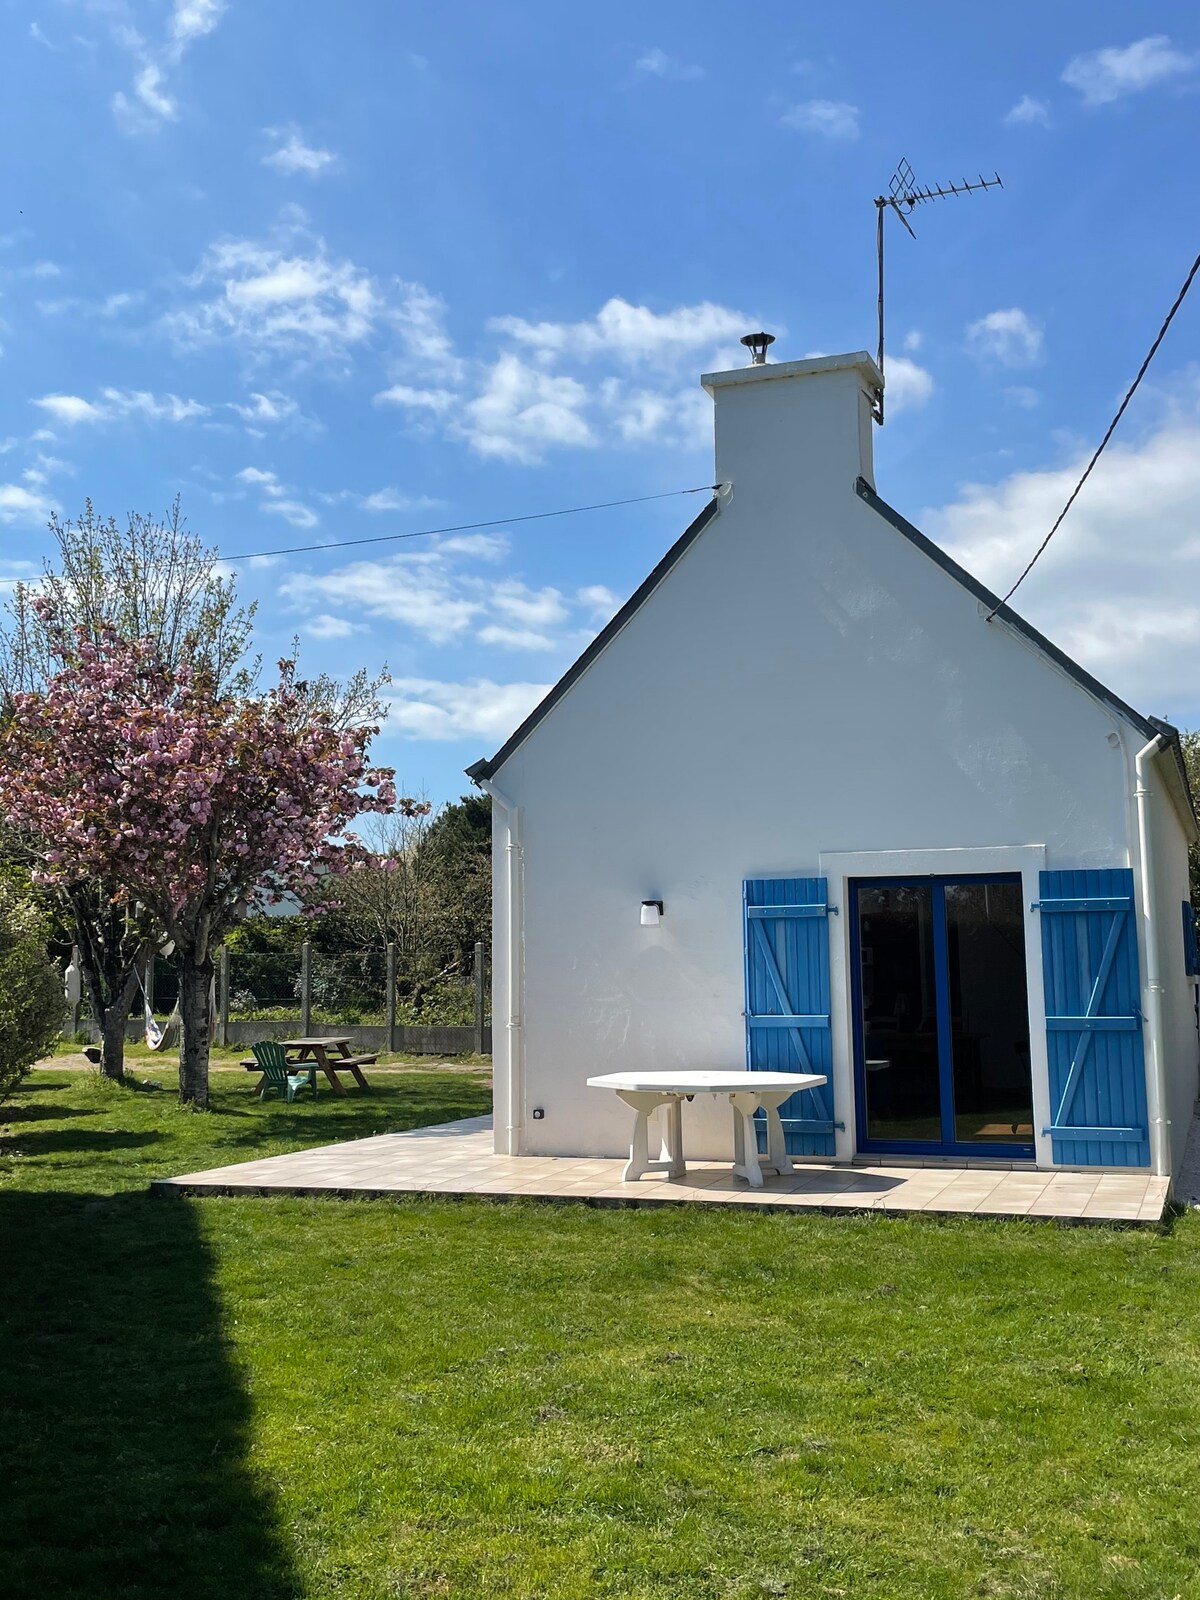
(164, 1035)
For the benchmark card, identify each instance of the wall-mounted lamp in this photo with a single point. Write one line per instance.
(652, 911)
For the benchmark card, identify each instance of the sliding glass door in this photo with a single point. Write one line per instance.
(941, 1016)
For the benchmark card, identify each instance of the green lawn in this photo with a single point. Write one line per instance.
(211, 1399)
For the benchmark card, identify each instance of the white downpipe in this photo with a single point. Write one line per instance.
(1156, 1078)
(514, 961)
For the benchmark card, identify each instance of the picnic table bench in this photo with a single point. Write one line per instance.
(331, 1054)
(646, 1092)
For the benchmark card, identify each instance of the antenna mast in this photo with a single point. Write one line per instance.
(904, 195)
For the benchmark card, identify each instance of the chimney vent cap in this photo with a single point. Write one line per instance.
(758, 344)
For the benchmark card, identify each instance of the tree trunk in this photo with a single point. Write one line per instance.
(195, 986)
(112, 1040)
(110, 1019)
(108, 978)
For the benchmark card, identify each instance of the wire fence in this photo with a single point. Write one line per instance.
(352, 987)
(397, 995)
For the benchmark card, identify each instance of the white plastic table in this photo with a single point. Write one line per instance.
(645, 1092)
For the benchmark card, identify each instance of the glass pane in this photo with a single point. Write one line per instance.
(989, 1013)
(899, 1012)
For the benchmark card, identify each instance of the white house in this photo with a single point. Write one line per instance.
(893, 835)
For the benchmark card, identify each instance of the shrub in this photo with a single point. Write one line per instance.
(31, 996)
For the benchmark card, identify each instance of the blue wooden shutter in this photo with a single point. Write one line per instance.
(787, 1000)
(1093, 1019)
(1191, 945)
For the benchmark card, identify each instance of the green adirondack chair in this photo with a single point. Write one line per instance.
(285, 1077)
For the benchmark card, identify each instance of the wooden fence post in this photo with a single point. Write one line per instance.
(223, 997)
(391, 995)
(305, 989)
(478, 999)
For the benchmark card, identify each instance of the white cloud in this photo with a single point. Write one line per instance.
(522, 409)
(392, 500)
(912, 339)
(149, 106)
(441, 593)
(602, 601)
(20, 502)
(656, 63)
(439, 401)
(266, 408)
(293, 511)
(150, 102)
(630, 333)
(291, 155)
(191, 20)
(1028, 113)
(419, 591)
(517, 405)
(540, 608)
(831, 119)
(1009, 337)
(114, 405)
(1102, 76)
(485, 546)
(267, 481)
(423, 708)
(503, 637)
(1022, 395)
(324, 626)
(284, 296)
(1116, 586)
(420, 319)
(906, 383)
(277, 498)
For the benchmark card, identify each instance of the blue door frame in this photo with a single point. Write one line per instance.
(947, 1145)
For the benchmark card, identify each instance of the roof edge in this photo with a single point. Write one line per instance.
(483, 770)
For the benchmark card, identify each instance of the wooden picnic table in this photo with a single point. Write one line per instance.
(331, 1054)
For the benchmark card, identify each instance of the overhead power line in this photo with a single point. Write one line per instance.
(468, 527)
(1112, 428)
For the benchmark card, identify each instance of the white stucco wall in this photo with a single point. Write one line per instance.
(805, 682)
(1180, 1045)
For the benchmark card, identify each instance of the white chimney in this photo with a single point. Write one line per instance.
(794, 424)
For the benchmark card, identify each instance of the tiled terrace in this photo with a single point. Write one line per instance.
(456, 1158)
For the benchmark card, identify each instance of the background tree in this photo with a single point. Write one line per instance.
(458, 849)
(151, 579)
(31, 995)
(193, 803)
(1190, 743)
(425, 886)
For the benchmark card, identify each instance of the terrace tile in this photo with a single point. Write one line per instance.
(457, 1159)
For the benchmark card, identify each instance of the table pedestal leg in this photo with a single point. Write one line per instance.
(671, 1159)
(777, 1155)
(745, 1139)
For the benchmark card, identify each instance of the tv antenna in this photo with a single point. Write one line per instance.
(904, 195)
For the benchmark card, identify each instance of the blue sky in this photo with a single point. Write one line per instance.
(332, 272)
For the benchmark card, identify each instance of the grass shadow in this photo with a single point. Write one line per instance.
(123, 1452)
(15, 1115)
(66, 1141)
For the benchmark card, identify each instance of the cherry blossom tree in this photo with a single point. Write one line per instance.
(141, 773)
(148, 578)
